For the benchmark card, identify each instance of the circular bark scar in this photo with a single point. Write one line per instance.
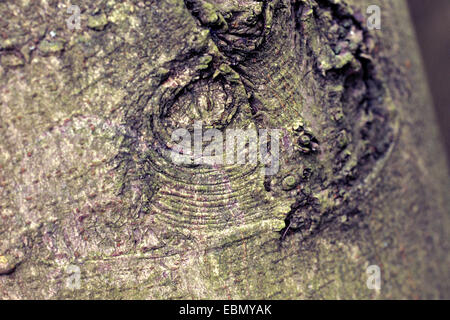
(305, 68)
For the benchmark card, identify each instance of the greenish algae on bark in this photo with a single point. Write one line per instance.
(85, 116)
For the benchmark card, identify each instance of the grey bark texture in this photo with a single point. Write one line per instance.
(87, 183)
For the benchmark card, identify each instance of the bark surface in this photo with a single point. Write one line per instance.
(87, 181)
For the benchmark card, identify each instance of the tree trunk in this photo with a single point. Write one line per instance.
(92, 205)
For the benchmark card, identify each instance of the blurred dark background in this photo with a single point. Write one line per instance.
(431, 19)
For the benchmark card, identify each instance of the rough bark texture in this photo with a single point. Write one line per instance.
(86, 180)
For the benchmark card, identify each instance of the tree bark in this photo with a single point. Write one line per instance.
(86, 180)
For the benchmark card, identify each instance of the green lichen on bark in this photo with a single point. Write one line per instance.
(86, 117)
